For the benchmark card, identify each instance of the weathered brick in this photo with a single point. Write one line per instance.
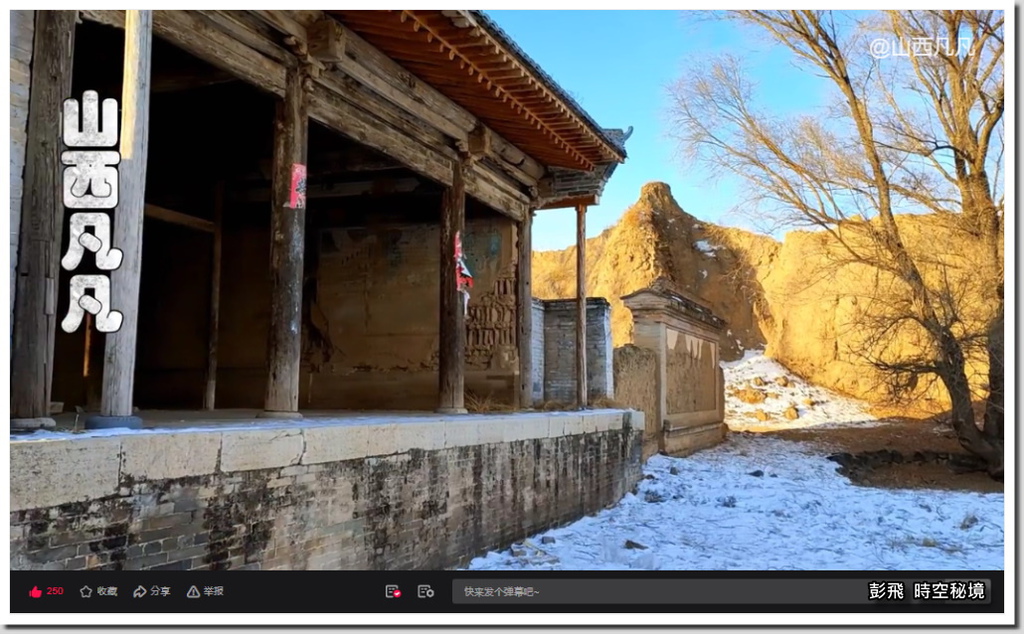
(406, 510)
(147, 561)
(559, 349)
(166, 521)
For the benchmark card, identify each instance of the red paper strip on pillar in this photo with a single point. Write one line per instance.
(297, 197)
(463, 278)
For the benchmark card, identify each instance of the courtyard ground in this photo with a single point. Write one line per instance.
(769, 498)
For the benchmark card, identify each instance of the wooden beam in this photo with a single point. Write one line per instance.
(178, 218)
(375, 187)
(452, 322)
(338, 114)
(213, 338)
(372, 68)
(119, 358)
(344, 107)
(42, 222)
(287, 246)
(581, 306)
(176, 82)
(568, 203)
(356, 158)
(524, 311)
(282, 21)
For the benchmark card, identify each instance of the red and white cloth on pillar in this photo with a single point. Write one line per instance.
(463, 278)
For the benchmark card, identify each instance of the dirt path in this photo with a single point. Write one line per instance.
(906, 436)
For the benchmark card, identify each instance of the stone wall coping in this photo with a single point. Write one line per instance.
(53, 468)
(663, 305)
(567, 304)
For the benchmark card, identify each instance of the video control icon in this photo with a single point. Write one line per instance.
(424, 592)
(392, 592)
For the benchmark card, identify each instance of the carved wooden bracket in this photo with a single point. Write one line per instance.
(326, 40)
(313, 66)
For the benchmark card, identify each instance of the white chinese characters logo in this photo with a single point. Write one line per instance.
(90, 182)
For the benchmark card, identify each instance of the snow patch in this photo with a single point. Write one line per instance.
(816, 406)
(763, 503)
(706, 247)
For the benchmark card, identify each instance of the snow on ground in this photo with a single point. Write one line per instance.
(829, 409)
(762, 503)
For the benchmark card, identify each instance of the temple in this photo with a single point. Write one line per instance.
(307, 198)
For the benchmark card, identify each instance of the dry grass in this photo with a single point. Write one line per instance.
(556, 406)
(598, 403)
(478, 404)
(607, 403)
(482, 404)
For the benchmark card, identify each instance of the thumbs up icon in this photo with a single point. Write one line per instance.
(35, 592)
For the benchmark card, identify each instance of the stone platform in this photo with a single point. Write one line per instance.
(333, 490)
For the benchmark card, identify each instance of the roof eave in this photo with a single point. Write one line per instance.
(480, 19)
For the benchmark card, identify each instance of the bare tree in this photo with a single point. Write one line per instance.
(920, 132)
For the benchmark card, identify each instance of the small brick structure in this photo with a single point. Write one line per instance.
(689, 413)
(558, 343)
(399, 493)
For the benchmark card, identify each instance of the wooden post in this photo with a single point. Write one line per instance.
(581, 306)
(42, 224)
(119, 359)
(287, 246)
(524, 310)
(452, 340)
(210, 397)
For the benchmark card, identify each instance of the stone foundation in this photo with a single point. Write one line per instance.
(398, 493)
(684, 441)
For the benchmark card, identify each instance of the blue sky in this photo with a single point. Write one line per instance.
(618, 64)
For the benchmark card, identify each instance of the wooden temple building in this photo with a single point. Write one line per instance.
(296, 190)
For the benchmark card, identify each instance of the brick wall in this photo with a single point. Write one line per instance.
(560, 350)
(22, 30)
(412, 495)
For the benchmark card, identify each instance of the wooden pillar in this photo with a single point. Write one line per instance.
(119, 357)
(524, 311)
(287, 246)
(42, 222)
(452, 339)
(209, 399)
(581, 306)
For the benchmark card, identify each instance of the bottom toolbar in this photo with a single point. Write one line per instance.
(453, 591)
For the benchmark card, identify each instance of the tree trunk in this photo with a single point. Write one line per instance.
(994, 403)
(954, 377)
